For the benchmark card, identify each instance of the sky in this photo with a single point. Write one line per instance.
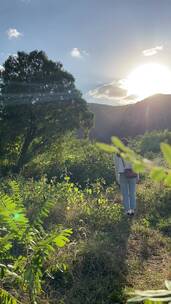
(99, 41)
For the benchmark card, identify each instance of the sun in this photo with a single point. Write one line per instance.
(147, 80)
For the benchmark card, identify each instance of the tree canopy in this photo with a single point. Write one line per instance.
(39, 102)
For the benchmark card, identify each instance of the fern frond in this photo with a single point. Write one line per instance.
(12, 213)
(42, 213)
(7, 298)
(16, 194)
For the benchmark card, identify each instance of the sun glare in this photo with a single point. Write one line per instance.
(149, 79)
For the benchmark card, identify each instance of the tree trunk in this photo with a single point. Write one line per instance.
(27, 141)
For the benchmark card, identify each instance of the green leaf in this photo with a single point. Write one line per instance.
(168, 284)
(158, 174)
(160, 300)
(153, 293)
(7, 298)
(138, 166)
(166, 149)
(106, 148)
(168, 179)
(118, 143)
(62, 238)
(136, 299)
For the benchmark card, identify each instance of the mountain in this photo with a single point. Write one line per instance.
(152, 113)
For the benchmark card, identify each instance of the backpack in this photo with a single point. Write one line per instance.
(129, 173)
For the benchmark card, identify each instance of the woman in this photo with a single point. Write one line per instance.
(127, 180)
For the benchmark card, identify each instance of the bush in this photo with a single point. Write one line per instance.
(25, 246)
(80, 159)
(148, 145)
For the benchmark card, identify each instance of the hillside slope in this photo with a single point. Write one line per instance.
(153, 113)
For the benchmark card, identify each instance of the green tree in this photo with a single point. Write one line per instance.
(39, 103)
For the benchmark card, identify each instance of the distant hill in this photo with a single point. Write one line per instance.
(152, 113)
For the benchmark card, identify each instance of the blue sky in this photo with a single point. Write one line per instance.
(99, 41)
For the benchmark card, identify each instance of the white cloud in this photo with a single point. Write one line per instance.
(77, 53)
(111, 90)
(85, 53)
(1, 68)
(152, 51)
(112, 93)
(13, 33)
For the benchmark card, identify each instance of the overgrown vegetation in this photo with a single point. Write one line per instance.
(107, 254)
(64, 237)
(160, 174)
(148, 145)
(25, 246)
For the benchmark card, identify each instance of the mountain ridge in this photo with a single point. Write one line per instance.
(152, 113)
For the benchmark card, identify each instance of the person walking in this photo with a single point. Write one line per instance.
(126, 179)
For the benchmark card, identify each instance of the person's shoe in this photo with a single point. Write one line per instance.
(128, 212)
(132, 212)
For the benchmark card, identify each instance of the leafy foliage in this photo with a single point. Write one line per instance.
(79, 159)
(148, 144)
(25, 246)
(160, 174)
(139, 164)
(7, 298)
(107, 252)
(40, 99)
